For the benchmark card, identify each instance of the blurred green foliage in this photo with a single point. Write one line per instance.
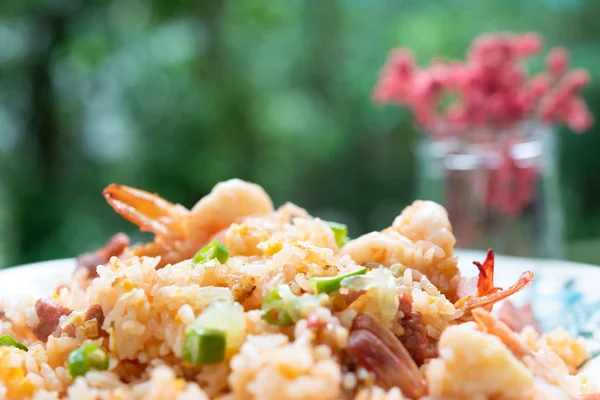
(176, 95)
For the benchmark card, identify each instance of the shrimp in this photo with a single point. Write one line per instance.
(486, 293)
(426, 221)
(490, 324)
(546, 365)
(517, 318)
(476, 365)
(420, 238)
(180, 232)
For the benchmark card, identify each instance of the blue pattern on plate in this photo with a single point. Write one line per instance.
(569, 308)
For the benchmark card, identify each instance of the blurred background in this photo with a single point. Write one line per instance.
(175, 95)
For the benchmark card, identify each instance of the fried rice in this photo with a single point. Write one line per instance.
(295, 310)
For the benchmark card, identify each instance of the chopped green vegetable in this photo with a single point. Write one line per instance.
(282, 307)
(274, 309)
(87, 357)
(227, 317)
(331, 284)
(6, 340)
(204, 346)
(215, 250)
(340, 232)
(382, 292)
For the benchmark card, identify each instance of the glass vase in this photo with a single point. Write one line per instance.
(500, 187)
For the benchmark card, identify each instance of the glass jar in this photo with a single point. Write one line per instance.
(500, 188)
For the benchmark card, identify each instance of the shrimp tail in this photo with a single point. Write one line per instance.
(149, 211)
(487, 294)
(500, 294)
(485, 283)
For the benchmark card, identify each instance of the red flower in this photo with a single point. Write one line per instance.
(557, 61)
(528, 44)
(577, 115)
(492, 87)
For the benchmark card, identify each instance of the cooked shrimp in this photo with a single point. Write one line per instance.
(476, 365)
(490, 324)
(420, 238)
(180, 232)
(428, 221)
(494, 359)
(544, 364)
(486, 294)
(517, 318)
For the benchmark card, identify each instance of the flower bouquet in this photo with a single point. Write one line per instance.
(488, 150)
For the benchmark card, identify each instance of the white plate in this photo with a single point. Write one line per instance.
(563, 293)
(34, 280)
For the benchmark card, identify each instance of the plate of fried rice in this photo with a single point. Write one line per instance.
(237, 299)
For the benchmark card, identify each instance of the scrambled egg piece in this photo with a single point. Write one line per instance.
(12, 375)
(571, 350)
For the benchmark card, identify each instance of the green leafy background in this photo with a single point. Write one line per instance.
(176, 95)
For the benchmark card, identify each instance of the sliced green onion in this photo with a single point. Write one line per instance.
(85, 358)
(331, 284)
(227, 317)
(382, 292)
(282, 307)
(215, 250)
(204, 346)
(340, 232)
(6, 340)
(274, 309)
